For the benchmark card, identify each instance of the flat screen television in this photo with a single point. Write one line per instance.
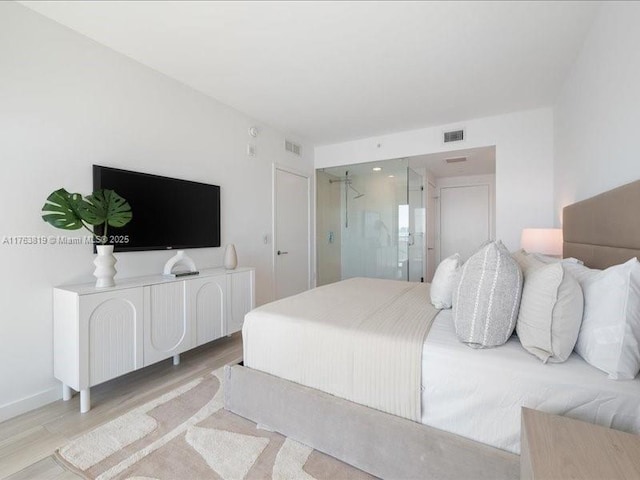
(168, 213)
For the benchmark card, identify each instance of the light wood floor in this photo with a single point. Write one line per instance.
(28, 441)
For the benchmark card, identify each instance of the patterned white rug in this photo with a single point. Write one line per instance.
(186, 434)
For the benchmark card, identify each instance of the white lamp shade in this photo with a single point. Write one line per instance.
(547, 241)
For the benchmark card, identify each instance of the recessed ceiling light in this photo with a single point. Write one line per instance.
(392, 176)
(377, 169)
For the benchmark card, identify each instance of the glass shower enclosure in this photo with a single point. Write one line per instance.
(370, 222)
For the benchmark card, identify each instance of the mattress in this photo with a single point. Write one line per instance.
(478, 394)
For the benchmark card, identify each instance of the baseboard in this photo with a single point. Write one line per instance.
(27, 404)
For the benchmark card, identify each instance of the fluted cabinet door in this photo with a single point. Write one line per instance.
(207, 299)
(241, 300)
(167, 330)
(112, 333)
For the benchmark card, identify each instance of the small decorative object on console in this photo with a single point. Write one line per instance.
(100, 210)
(105, 263)
(180, 258)
(230, 257)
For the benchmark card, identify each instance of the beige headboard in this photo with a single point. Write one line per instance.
(604, 230)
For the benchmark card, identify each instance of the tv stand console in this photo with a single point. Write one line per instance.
(103, 333)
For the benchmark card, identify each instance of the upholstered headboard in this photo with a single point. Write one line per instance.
(604, 230)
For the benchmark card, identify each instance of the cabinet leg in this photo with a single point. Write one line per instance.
(176, 359)
(85, 400)
(67, 393)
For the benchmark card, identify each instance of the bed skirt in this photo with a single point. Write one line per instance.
(381, 444)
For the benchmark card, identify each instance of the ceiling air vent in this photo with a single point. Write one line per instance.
(291, 147)
(454, 136)
(456, 160)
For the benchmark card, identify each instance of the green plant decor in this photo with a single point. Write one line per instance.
(100, 210)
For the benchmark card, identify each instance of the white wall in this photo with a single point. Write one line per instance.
(524, 162)
(597, 113)
(67, 102)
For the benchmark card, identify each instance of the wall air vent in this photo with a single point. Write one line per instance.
(454, 136)
(456, 160)
(292, 147)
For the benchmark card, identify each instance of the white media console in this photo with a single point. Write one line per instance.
(102, 333)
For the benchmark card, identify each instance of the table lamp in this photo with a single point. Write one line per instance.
(547, 241)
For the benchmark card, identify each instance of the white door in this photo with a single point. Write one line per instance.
(464, 219)
(431, 231)
(291, 236)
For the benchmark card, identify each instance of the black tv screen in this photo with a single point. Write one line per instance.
(168, 213)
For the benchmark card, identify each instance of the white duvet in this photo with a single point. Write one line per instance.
(478, 394)
(360, 339)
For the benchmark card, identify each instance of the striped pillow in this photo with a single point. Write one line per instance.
(487, 299)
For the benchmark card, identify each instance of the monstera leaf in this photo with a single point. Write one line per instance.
(65, 210)
(107, 207)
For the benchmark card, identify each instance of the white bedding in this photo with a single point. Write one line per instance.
(478, 393)
(360, 339)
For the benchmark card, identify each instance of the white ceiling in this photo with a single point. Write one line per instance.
(480, 161)
(333, 71)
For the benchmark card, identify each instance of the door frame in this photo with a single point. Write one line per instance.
(274, 228)
(431, 193)
(423, 179)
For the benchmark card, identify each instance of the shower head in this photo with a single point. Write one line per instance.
(358, 194)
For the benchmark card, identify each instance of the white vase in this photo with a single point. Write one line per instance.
(105, 266)
(180, 258)
(230, 257)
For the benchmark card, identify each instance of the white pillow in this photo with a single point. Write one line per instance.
(582, 273)
(550, 313)
(526, 261)
(530, 261)
(444, 281)
(609, 338)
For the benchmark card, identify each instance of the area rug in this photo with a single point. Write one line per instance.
(187, 434)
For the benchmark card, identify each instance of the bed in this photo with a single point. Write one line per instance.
(478, 394)
(470, 400)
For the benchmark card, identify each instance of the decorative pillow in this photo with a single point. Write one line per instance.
(548, 259)
(531, 261)
(486, 301)
(550, 313)
(527, 261)
(581, 273)
(444, 281)
(609, 338)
